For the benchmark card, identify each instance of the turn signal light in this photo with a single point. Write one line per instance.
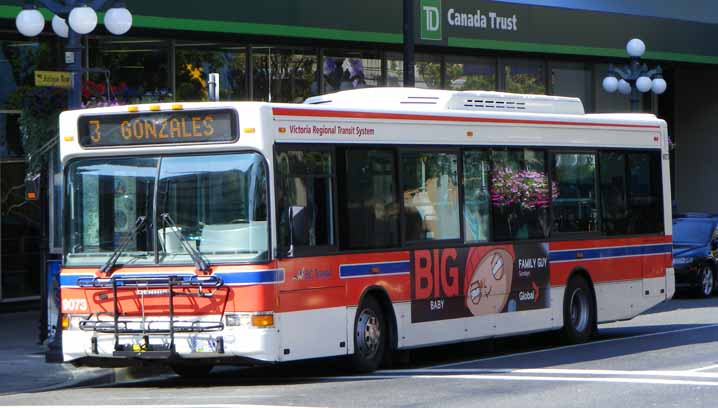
(263, 320)
(65, 322)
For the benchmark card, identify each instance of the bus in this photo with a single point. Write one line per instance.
(355, 224)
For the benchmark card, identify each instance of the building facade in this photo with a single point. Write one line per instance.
(288, 50)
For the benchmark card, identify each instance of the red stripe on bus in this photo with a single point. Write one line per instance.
(314, 282)
(404, 116)
(607, 243)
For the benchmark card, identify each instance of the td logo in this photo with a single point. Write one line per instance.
(431, 20)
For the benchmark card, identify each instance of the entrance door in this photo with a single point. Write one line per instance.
(20, 221)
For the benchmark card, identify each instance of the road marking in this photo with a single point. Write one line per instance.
(526, 353)
(514, 377)
(551, 371)
(576, 379)
(159, 406)
(710, 367)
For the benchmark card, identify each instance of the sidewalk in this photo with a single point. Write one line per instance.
(22, 360)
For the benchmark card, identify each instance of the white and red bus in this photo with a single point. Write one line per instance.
(355, 224)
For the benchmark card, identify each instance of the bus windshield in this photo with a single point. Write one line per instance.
(218, 204)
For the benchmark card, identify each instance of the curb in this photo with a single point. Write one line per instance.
(107, 376)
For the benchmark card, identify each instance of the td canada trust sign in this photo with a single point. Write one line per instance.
(434, 16)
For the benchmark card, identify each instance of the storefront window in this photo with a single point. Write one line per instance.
(466, 73)
(21, 233)
(524, 76)
(341, 73)
(127, 71)
(427, 71)
(573, 79)
(284, 75)
(193, 64)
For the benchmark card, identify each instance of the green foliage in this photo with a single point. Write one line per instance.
(524, 84)
(40, 109)
(430, 72)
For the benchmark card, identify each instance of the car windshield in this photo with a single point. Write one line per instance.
(218, 204)
(692, 231)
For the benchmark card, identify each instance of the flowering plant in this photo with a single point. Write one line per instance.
(526, 188)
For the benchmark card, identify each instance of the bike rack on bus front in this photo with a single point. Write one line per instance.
(206, 287)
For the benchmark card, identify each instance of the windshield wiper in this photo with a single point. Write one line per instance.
(140, 222)
(199, 262)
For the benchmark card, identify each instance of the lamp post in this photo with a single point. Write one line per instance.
(636, 77)
(82, 18)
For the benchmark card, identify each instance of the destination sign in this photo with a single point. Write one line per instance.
(152, 128)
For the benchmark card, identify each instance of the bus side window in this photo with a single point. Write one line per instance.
(305, 199)
(520, 194)
(477, 221)
(631, 196)
(369, 207)
(574, 189)
(431, 195)
(644, 193)
(613, 191)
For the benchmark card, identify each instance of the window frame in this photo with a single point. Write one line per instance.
(306, 250)
(344, 149)
(547, 169)
(657, 154)
(430, 243)
(579, 235)
(270, 221)
(462, 195)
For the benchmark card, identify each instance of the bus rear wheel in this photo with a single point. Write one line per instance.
(579, 311)
(370, 334)
(192, 370)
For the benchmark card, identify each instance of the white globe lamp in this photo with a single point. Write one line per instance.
(610, 84)
(83, 20)
(635, 47)
(659, 86)
(624, 87)
(59, 26)
(644, 84)
(30, 22)
(118, 20)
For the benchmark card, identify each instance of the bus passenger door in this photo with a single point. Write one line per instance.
(312, 299)
(312, 304)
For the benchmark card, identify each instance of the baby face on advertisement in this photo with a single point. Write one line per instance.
(489, 287)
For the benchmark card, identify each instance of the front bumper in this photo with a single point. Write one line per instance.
(230, 343)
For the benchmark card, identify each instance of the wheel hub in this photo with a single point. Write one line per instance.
(707, 281)
(579, 310)
(368, 333)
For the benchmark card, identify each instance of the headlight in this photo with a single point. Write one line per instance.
(683, 260)
(256, 319)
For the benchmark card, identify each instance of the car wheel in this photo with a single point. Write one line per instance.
(706, 281)
(370, 336)
(579, 312)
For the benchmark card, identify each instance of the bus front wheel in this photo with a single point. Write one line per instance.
(579, 311)
(370, 334)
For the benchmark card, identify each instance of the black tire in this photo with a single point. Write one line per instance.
(370, 337)
(705, 281)
(579, 311)
(192, 370)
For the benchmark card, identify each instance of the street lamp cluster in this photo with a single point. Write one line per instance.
(82, 18)
(635, 77)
